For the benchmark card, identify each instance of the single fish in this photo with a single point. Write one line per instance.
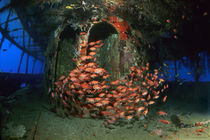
(92, 43)
(164, 98)
(145, 112)
(83, 33)
(165, 121)
(162, 113)
(139, 109)
(129, 117)
(151, 102)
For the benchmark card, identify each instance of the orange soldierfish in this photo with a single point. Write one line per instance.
(145, 112)
(83, 33)
(98, 104)
(106, 76)
(151, 102)
(61, 78)
(162, 113)
(165, 121)
(103, 19)
(144, 92)
(92, 53)
(148, 97)
(93, 75)
(92, 48)
(99, 41)
(102, 95)
(168, 20)
(129, 117)
(139, 109)
(105, 102)
(164, 98)
(92, 43)
(121, 114)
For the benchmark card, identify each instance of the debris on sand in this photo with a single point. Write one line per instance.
(13, 131)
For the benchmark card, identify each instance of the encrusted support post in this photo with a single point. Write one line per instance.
(33, 66)
(2, 40)
(41, 69)
(21, 61)
(23, 52)
(29, 44)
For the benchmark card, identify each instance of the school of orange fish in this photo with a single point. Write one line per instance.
(87, 91)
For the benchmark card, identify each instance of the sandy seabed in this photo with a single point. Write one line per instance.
(42, 124)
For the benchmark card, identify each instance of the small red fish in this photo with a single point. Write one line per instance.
(148, 97)
(92, 48)
(165, 121)
(156, 97)
(99, 41)
(129, 117)
(175, 37)
(162, 113)
(145, 112)
(105, 102)
(52, 94)
(168, 20)
(205, 13)
(97, 46)
(98, 104)
(139, 109)
(200, 130)
(121, 114)
(144, 92)
(151, 102)
(91, 43)
(103, 19)
(198, 124)
(106, 76)
(83, 33)
(114, 82)
(92, 53)
(146, 104)
(164, 98)
(94, 18)
(61, 78)
(93, 75)
(182, 16)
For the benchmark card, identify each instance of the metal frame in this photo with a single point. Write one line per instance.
(29, 42)
(6, 25)
(33, 48)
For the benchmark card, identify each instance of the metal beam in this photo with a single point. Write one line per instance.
(16, 18)
(4, 33)
(5, 7)
(22, 52)
(5, 28)
(41, 68)
(23, 19)
(20, 61)
(16, 29)
(29, 42)
(2, 40)
(33, 66)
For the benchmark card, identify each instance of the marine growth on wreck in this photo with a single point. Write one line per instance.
(104, 69)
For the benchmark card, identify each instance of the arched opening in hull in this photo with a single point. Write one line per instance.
(65, 52)
(101, 31)
(108, 55)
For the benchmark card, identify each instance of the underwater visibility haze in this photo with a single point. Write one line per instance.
(104, 70)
